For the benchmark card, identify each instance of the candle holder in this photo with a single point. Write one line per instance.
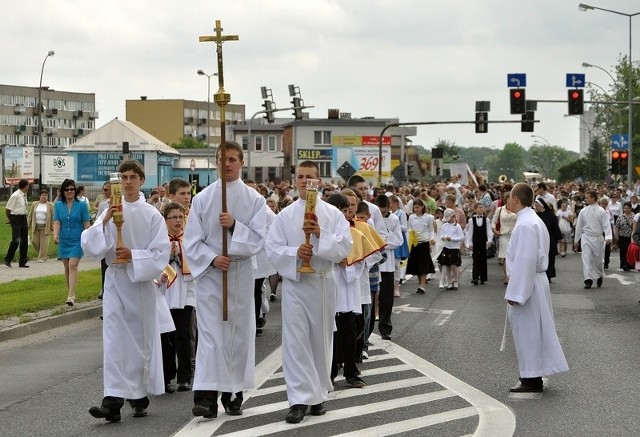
(118, 216)
(310, 214)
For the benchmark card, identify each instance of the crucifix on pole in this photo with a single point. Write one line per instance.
(222, 99)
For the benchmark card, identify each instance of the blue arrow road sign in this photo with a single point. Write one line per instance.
(620, 142)
(575, 80)
(516, 80)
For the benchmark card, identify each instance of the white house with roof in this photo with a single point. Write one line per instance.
(100, 152)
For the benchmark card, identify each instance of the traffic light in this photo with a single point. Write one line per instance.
(615, 162)
(297, 107)
(268, 109)
(527, 121)
(482, 127)
(576, 102)
(517, 99)
(624, 161)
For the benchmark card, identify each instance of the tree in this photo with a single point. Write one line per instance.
(548, 159)
(575, 170)
(510, 162)
(613, 118)
(189, 142)
(450, 149)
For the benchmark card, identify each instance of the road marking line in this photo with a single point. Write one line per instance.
(496, 419)
(365, 372)
(348, 413)
(413, 424)
(340, 394)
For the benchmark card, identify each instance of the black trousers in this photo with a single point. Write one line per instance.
(257, 296)
(359, 336)
(623, 245)
(209, 398)
(178, 344)
(114, 403)
(103, 271)
(607, 255)
(19, 237)
(344, 345)
(385, 303)
(479, 270)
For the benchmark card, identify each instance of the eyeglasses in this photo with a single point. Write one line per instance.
(69, 189)
(175, 217)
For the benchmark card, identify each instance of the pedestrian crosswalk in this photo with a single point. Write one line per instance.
(404, 394)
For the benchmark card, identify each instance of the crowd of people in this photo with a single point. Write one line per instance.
(181, 251)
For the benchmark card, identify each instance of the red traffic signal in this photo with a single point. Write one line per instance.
(575, 99)
(517, 99)
(615, 162)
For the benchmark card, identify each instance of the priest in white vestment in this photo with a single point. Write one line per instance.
(308, 299)
(593, 231)
(225, 358)
(530, 309)
(131, 327)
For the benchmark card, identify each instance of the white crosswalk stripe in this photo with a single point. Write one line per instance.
(409, 383)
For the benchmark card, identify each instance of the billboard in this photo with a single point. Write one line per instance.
(363, 159)
(57, 168)
(18, 164)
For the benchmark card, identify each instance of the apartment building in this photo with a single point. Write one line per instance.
(65, 116)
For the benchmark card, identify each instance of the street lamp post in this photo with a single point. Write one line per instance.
(588, 65)
(584, 7)
(209, 76)
(546, 142)
(49, 53)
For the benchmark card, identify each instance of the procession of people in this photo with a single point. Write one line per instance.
(337, 251)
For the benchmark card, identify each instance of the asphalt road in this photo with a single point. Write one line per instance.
(442, 374)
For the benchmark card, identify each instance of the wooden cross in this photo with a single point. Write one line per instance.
(222, 98)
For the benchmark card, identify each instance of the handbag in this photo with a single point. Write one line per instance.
(498, 222)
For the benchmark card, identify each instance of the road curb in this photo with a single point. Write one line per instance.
(51, 322)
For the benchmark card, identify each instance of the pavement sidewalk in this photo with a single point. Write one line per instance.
(31, 323)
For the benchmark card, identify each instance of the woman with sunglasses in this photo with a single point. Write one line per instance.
(70, 218)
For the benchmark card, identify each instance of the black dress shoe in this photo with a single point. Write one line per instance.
(206, 412)
(474, 282)
(522, 388)
(233, 408)
(168, 388)
(105, 413)
(184, 386)
(599, 282)
(296, 413)
(139, 411)
(7, 263)
(24, 266)
(588, 283)
(386, 336)
(318, 410)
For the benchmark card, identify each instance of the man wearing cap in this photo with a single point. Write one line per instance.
(530, 311)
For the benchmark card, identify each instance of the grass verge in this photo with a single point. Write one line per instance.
(30, 295)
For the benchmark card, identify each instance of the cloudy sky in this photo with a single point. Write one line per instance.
(418, 60)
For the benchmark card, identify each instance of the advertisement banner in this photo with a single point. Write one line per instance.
(18, 164)
(94, 167)
(364, 140)
(314, 154)
(58, 168)
(364, 159)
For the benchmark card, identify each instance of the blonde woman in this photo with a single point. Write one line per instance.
(502, 224)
